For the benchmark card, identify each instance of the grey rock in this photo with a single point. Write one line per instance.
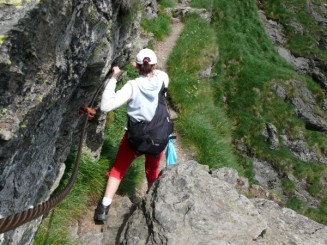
(226, 174)
(22, 234)
(181, 12)
(9, 125)
(301, 150)
(5, 135)
(91, 239)
(52, 60)
(299, 63)
(271, 135)
(307, 109)
(10, 14)
(231, 176)
(187, 205)
(280, 91)
(184, 2)
(319, 72)
(313, 10)
(150, 9)
(207, 73)
(287, 227)
(211, 59)
(61, 172)
(323, 42)
(301, 193)
(266, 175)
(116, 220)
(273, 29)
(305, 105)
(304, 65)
(297, 26)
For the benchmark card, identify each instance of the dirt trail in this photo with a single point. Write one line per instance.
(86, 232)
(163, 49)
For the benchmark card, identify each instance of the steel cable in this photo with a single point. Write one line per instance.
(15, 220)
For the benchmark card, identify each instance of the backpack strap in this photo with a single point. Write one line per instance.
(162, 97)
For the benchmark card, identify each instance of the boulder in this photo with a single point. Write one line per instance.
(285, 226)
(188, 205)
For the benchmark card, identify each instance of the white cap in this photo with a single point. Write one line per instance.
(146, 53)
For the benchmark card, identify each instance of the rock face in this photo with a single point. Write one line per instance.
(309, 105)
(304, 65)
(287, 227)
(188, 205)
(182, 12)
(53, 56)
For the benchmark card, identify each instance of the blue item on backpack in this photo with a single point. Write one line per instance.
(171, 156)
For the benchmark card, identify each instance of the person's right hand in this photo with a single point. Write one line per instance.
(115, 71)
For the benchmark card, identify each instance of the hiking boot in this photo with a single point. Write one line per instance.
(100, 214)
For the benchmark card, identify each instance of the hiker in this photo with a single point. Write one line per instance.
(141, 96)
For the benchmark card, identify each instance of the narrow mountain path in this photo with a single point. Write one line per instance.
(85, 231)
(163, 49)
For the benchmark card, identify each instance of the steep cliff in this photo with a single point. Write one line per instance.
(53, 56)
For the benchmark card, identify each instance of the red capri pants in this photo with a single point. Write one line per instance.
(126, 156)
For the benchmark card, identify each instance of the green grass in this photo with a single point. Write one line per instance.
(319, 214)
(16, 3)
(248, 69)
(303, 43)
(3, 38)
(204, 126)
(202, 4)
(167, 4)
(160, 26)
(88, 187)
(296, 204)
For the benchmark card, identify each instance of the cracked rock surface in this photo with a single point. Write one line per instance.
(188, 205)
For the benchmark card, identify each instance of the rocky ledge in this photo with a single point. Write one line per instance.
(189, 204)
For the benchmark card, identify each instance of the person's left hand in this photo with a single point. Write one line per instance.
(84, 109)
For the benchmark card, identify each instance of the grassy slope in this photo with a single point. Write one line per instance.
(203, 126)
(301, 44)
(248, 67)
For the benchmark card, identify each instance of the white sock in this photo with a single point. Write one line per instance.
(106, 201)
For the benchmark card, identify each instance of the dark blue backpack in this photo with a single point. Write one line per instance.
(151, 137)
